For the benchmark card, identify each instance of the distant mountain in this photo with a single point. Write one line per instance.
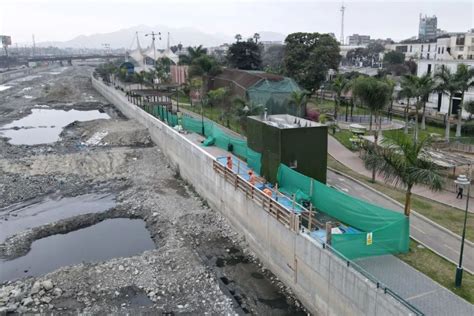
(126, 37)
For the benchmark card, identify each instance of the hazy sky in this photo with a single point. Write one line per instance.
(59, 20)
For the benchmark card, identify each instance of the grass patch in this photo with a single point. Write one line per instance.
(183, 98)
(438, 269)
(422, 133)
(344, 136)
(446, 216)
(214, 114)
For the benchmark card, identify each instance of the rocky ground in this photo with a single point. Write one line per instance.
(199, 264)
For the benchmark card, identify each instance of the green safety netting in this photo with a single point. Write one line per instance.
(389, 230)
(275, 95)
(215, 135)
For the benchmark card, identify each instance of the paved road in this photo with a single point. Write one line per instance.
(353, 161)
(416, 288)
(431, 236)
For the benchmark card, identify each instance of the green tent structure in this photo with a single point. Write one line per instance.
(258, 87)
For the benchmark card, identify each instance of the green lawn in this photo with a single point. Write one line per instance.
(183, 98)
(343, 136)
(448, 217)
(423, 133)
(438, 269)
(214, 114)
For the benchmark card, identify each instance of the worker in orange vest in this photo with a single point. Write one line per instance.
(268, 192)
(252, 178)
(229, 162)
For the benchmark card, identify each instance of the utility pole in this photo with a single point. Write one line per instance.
(34, 45)
(153, 35)
(343, 8)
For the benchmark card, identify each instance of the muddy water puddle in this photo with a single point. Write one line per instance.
(105, 240)
(19, 217)
(45, 125)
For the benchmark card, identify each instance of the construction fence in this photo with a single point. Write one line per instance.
(214, 134)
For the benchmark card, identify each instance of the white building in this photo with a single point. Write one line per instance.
(439, 101)
(447, 47)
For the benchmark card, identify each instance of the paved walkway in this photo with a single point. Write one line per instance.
(353, 161)
(416, 288)
(436, 238)
(432, 236)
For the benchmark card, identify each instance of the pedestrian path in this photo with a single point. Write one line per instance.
(432, 236)
(416, 288)
(354, 162)
(436, 238)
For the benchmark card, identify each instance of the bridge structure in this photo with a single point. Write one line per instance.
(70, 58)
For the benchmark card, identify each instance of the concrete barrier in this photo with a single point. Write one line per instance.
(325, 283)
(14, 74)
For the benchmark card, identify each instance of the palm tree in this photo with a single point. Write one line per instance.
(193, 53)
(408, 90)
(238, 37)
(404, 162)
(339, 85)
(256, 37)
(447, 84)
(426, 86)
(299, 99)
(244, 109)
(375, 94)
(469, 106)
(464, 77)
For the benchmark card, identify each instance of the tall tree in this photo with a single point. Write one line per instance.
(299, 99)
(272, 59)
(375, 94)
(393, 58)
(244, 109)
(245, 55)
(405, 163)
(464, 77)
(469, 106)
(192, 54)
(256, 38)
(339, 86)
(426, 86)
(238, 37)
(308, 58)
(447, 84)
(408, 91)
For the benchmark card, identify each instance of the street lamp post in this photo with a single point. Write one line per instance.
(463, 181)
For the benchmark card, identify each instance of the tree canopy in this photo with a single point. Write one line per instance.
(245, 54)
(309, 56)
(393, 58)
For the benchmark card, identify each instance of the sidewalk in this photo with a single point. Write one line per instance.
(353, 161)
(434, 237)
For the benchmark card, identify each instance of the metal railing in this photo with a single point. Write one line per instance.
(293, 221)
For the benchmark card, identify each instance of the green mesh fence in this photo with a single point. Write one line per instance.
(215, 135)
(389, 230)
(275, 95)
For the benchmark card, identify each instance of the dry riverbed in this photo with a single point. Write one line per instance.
(102, 194)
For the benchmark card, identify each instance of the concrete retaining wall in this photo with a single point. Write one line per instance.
(14, 74)
(321, 280)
